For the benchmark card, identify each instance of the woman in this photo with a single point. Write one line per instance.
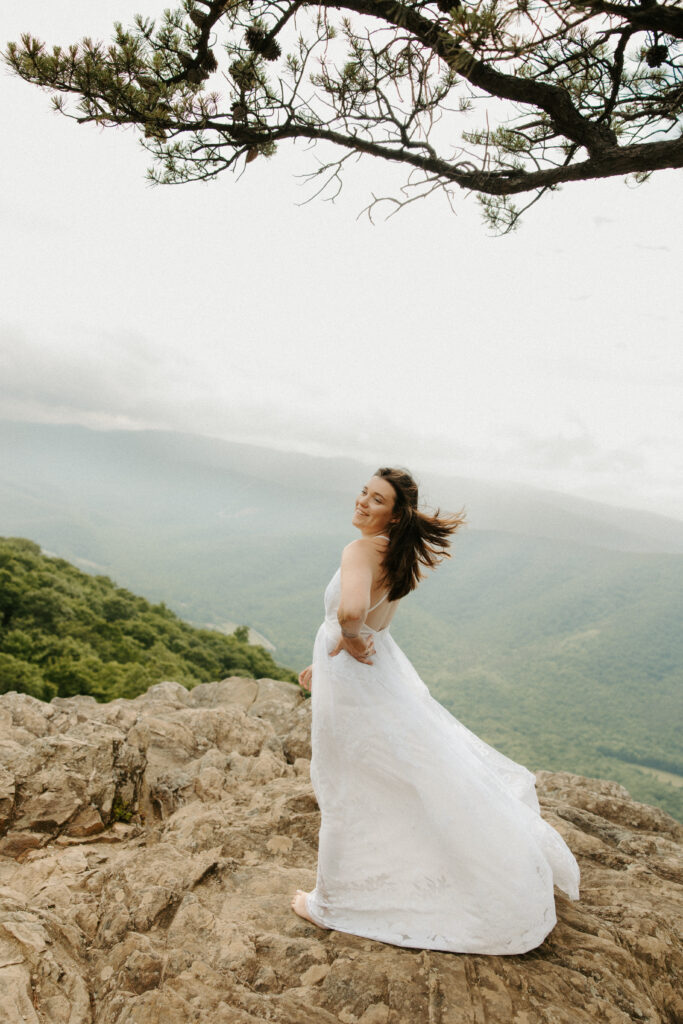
(429, 837)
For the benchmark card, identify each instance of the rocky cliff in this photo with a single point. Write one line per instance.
(150, 848)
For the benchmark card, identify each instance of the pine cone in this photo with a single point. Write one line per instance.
(255, 38)
(656, 56)
(273, 50)
(243, 73)
(446, 6)
(258, 42)
(196, 75)
(209, 62)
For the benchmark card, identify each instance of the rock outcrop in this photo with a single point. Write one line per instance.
(149, 850)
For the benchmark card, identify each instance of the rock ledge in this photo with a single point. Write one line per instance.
(149, 850)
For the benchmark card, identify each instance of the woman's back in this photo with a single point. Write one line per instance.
(380, 614)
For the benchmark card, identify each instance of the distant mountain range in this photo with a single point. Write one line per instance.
(235, 485)
(554, 631)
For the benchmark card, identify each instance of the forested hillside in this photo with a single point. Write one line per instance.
(64, 632)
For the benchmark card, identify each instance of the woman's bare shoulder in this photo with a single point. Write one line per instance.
(363, 549)
(356, 547)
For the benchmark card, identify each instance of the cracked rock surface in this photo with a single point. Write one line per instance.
(149, 850)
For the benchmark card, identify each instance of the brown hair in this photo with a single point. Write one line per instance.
(415, 538)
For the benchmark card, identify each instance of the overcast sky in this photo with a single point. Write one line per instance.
(551, 356)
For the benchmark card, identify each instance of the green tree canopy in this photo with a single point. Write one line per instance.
(63, 632)
(502, 98)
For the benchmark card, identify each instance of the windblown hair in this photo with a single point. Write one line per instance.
(415, 538)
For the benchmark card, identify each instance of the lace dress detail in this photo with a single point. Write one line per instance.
(429, 838)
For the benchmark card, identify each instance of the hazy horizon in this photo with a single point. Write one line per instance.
(489, 503)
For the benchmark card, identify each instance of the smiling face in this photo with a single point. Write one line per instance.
(374, 507)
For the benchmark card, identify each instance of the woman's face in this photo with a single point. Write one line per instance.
(374, 507)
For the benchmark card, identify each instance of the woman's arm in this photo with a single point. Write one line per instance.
(359, 562)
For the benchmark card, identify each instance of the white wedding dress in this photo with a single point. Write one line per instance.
(429, 837)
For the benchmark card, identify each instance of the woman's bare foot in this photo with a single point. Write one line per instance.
(299, 906)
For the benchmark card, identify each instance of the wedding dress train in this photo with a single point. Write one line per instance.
(429, 837)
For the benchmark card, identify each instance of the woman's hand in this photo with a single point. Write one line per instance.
(359, 647)
(306, 679)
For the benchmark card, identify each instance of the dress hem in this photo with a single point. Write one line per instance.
(434, 946)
